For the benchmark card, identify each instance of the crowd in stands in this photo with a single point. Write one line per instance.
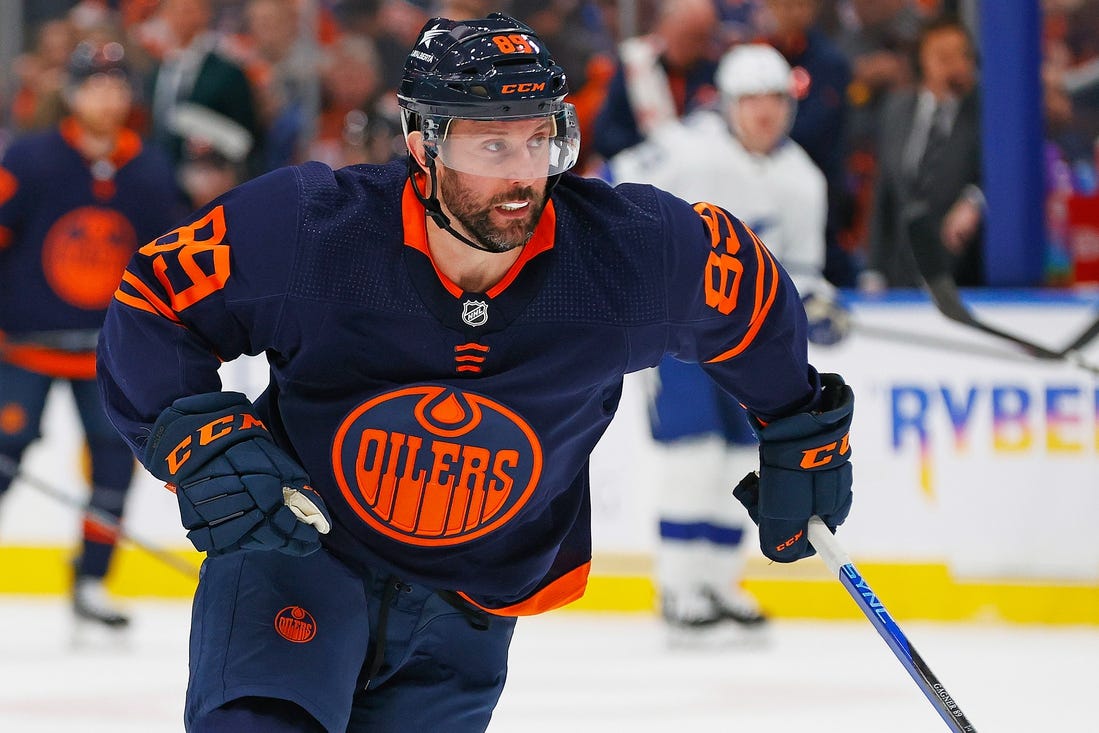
(234, 88)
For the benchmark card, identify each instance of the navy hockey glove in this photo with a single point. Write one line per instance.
(236, 489)
(829, 321)
(803, 470)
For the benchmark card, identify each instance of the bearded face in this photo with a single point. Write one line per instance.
(499, 215)
(493, 175)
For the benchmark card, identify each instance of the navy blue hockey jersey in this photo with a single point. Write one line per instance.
(447, 431)
(67, 229)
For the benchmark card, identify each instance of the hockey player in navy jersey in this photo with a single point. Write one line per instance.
(75, 203)
(447, 341)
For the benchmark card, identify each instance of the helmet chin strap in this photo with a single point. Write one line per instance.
(431, 201)
(434, 207)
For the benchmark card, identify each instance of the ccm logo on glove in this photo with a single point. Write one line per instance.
(207, 434)
(236, 488)
(822, 456)
(804, 470)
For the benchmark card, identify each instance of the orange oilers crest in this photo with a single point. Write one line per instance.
(295, 624)
(84, 254)
(435, 466)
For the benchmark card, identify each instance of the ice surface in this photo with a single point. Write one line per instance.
(602, 672)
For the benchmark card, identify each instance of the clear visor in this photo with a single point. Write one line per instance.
(519, 149)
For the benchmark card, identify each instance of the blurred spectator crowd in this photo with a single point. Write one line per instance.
(234, 88)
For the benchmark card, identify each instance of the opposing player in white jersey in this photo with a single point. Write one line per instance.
(741, 158)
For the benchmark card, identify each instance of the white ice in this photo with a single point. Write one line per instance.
(604, 672)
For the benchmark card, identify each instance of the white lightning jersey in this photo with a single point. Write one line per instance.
(781, 196)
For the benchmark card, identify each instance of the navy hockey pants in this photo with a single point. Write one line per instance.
(357, 652)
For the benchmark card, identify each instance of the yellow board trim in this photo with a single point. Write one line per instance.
(925, 591)
(48, 571)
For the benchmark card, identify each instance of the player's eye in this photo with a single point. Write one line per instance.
(538, 142)
(494, 146)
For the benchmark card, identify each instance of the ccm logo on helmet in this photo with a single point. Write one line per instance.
(823, 455)
(523, 88)
(208, 433)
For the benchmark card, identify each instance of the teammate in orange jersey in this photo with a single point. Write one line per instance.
(75, 202)
(447, 338)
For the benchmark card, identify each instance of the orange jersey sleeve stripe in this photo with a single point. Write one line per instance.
(148, 301)
(766, 292)
(134, 302)
(561, 592)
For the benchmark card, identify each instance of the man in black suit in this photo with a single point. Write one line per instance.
(928, 205)
(194, 74)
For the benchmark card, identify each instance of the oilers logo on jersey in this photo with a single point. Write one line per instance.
(431, 465)
(84, 252)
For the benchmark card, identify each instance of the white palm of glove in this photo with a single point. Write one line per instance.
(304, 509)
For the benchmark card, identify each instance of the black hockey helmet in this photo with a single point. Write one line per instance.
(495, 68)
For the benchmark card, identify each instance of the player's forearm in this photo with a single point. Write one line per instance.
(772, 377)
(144, 363)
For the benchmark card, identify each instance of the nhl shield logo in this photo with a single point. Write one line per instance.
(475, 312)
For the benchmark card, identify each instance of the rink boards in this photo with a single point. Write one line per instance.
(976, 478)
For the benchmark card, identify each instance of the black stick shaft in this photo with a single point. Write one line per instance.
(945, 296)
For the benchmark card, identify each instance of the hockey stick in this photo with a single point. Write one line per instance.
(945, 296)
(1085, 338)
(865, 598)
(954, 346)
(11, 469)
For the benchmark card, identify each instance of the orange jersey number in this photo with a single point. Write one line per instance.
(723, 270)
(188, 242)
